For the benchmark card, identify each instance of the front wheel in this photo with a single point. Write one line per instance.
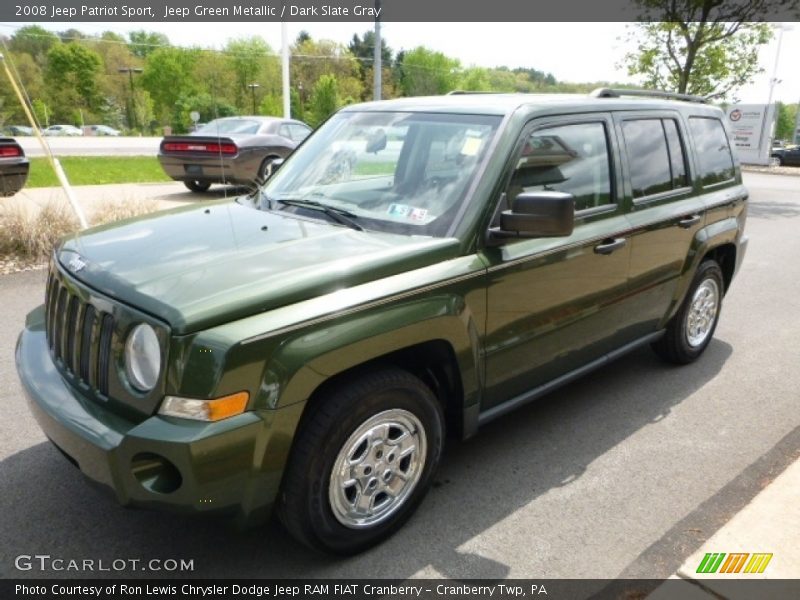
(691, 329)
(362, 462)
(197, 186)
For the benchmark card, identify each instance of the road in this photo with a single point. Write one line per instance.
(622, 474)
(92, 146)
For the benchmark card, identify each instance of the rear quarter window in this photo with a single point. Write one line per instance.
(713, 150)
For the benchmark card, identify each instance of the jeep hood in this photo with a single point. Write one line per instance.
(201, 266)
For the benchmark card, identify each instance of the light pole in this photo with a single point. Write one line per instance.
(253, 87)
(130, 71)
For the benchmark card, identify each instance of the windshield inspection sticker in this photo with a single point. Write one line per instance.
(471, 146)
(399, 210)
(418, 214)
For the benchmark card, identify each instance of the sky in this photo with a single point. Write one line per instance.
(572, 52)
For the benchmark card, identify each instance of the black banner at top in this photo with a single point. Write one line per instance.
(362, 10)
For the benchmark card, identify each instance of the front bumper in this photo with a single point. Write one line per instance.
(232, 466)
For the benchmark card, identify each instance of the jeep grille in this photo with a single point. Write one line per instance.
(79, 335)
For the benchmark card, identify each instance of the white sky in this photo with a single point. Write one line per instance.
(575, 52)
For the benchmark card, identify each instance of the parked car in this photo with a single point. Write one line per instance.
(16, 130)
(104, 130)
(13, 167)
(308, 346)
(238, 150)
(788, 156)
(62, 130)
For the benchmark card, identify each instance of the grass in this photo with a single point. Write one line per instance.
(29, 233)
(96, 170)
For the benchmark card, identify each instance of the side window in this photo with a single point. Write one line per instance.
(655, 156)
(284, 131)
(566, 158)
(713, 150)
(299, 132)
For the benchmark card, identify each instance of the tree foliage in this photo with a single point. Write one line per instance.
(702, 47)
(425, 72)
(324, 100)
(72, 75)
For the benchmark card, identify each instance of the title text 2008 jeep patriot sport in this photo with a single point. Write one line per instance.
(417, 265)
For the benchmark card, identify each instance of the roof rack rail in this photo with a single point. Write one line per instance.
(619, 92)
(466, 92)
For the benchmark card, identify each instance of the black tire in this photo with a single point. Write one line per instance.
(307, 505)
(265, 170)
(197, 186)
(677, 344)
(777, 160)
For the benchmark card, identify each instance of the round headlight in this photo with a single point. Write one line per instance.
(142, 358)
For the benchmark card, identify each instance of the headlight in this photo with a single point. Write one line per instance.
(142, 357)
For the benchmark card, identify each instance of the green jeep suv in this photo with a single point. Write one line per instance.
(416, 267)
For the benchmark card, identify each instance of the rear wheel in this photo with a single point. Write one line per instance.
(775, 161)
(691, 329)
(197, 186)
(362, 462)
(266, 168)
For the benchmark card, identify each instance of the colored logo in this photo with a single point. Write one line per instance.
(735, 115)
(737, 562)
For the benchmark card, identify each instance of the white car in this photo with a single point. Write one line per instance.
(104, 130)
(62, 130)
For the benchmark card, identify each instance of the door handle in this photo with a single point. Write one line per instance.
(687, 222)
(608, 246)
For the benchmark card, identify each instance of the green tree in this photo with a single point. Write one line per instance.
(271, 106)
(324, 100)
(168, 76)
(35, 41)
(247, 58)
(73, 72)
(702, 47)
(311, 59)
(424, 72)
(787, 115)
(363, 49)
(475, 79)
(144, 43)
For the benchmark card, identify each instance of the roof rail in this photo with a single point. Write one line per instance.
(466, 92)
(619, 92)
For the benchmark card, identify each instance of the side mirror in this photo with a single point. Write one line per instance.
(538, 214)
(376, 142)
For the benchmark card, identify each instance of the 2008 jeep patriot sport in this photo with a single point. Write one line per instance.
(416, 265)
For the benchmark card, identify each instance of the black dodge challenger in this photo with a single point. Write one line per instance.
(237, 150)
(13, 167)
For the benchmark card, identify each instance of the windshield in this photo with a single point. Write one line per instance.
(400, 172)
(219, 126)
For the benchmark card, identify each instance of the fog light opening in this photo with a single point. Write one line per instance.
(155, 473)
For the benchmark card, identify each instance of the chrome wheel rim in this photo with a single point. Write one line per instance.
(702, 313)
(377, 468)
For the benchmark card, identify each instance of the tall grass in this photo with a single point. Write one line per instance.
(31, 233)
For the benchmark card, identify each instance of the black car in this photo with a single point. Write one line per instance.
(238, 150)
(16, 130)
(789, 156)
(13, 167)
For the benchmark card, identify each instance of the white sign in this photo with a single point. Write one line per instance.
(194, 116)
(752, 126)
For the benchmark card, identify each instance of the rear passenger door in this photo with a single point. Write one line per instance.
(665, 212)
(556, 304)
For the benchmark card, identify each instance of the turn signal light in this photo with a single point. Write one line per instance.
(205, 410)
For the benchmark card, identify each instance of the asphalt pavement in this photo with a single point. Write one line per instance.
(625, 473)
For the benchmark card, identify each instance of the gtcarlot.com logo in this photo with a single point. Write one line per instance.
(46, 562)
(735, 562)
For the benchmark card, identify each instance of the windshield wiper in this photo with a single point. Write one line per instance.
(340, 215)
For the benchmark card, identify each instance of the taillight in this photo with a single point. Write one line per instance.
(6, 151)
(200, 147)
